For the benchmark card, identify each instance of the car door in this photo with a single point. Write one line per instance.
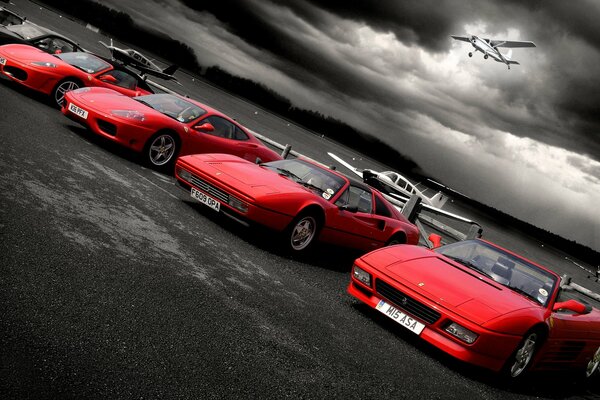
(363, 228)
(223, 137)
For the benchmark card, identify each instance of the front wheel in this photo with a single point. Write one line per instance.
(58, 94)
(302, 232)
(520, 361)
(592, 366)
(161, 150)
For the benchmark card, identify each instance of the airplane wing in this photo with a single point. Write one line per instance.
(511, 43)
(347, 165)
(463, 38)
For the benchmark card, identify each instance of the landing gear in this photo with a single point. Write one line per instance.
(485, 57)
(470, 54)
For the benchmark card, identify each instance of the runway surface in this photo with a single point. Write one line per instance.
(115, 284)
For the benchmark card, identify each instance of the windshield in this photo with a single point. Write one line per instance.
(26, 31)
(509, 270)
(84, 61)
(173, 106)
(320, 180)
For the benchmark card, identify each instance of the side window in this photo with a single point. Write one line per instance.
(381, 208)
(240, 134)
(355, 196)
(223, 128)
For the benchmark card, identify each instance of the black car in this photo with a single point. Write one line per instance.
(29, 33)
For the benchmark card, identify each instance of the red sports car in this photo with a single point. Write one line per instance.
(303, 199)
(55, 74)
(162, 126)
(483, 305)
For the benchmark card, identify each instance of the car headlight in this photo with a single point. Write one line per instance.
(129, 114)
(46, 64)
(461, 332)
(361, 275)
(238, 204)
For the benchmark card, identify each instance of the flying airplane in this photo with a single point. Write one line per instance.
(393, 184)
(137, 60)
(489, 47)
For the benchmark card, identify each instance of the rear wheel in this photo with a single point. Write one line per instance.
(302, 232)
(396, 239)
(58, 94)
(592, 366)
(520, 361)
(160, 151)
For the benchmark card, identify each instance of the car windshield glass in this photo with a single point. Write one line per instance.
(173, 106)
(507, 269)
(84, 61)
(318, 179)
(26, 31)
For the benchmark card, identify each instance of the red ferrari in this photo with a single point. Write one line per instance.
(162, 126)
(55, 74)
(304, 200)
(483, 305)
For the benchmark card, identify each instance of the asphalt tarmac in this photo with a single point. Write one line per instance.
(115, 284)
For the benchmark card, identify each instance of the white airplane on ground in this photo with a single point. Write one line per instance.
(489, 47)
(137, 60)
(393, 184)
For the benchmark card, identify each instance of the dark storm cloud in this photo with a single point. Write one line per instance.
(572, 96)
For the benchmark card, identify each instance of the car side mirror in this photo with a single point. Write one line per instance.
(205, 127)
(108, 79)
(435, 239)
(349, 208)
(572, 305)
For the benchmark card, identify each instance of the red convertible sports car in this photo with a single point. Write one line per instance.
(303, 199)
(55, 74)
(483, 305)
(162, 126)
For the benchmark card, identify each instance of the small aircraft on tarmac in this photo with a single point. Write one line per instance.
(393, 184)
(137, 60)
(489, 47)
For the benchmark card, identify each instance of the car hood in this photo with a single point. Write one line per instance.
(105, 100)
(449, 284)
(247, 177)
(25, 53)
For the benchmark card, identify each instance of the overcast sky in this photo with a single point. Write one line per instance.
(525, 140)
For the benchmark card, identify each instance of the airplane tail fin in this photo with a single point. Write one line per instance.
(170, 70)
(438, 200)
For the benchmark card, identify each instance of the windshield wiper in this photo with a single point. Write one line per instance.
(289, 174)
(310, 186)
(470, 265)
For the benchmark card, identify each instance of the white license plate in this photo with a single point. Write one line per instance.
(392, 312)
(206, 200)
(78, 111)
(2, 61)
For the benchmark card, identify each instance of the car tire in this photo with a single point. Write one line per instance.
(62, 87)
(396, 239)
(302, 233)
(593, 364)
(520, 361)
(160, 151)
